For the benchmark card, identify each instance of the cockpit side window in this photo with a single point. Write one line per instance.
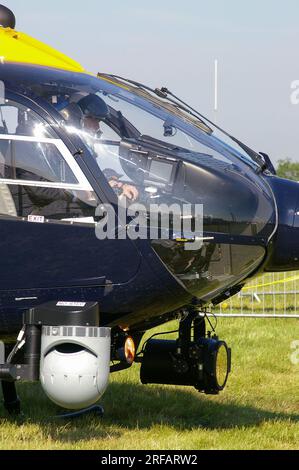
(38, 174)
(36, 160)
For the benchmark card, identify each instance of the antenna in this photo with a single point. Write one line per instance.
(215, 89)
(216, 86)
(7, 18)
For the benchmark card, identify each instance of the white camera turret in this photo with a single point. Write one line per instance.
(75, 364)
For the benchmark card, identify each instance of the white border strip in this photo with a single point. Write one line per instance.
(83, 183)
(44, 184)
(25, 138)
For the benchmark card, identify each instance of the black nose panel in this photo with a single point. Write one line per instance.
(285, 246)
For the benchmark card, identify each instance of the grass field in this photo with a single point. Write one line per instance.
(259, 409)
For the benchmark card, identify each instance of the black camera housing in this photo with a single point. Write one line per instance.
(164, 362)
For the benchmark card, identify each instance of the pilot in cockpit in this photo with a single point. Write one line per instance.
(88, 113)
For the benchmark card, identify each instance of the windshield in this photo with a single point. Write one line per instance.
(178, 107)
(163, 121)
(149, 115)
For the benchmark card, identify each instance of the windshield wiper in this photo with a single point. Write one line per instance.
(166, 94)
(148, 90)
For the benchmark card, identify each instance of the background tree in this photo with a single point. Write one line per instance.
(286, 168)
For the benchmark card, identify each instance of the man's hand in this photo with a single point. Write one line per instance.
(130, 192)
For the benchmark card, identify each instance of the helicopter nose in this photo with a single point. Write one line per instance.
(284, 249)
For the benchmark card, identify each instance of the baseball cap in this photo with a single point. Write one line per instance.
(93, 106)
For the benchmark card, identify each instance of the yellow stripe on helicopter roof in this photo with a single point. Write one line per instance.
(21, 48)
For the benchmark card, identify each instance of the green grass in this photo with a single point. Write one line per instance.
(259, 409)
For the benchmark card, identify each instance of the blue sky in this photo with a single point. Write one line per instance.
(174, 43)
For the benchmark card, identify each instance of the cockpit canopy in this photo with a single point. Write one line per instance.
(168, 155)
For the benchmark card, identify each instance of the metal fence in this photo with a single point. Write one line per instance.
(272, 295)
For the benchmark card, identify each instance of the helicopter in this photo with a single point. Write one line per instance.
(77, 151)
